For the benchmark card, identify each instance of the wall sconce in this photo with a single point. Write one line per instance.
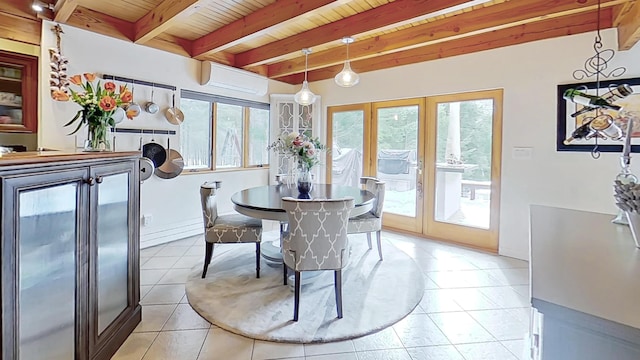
(305, 96)
(347, 77)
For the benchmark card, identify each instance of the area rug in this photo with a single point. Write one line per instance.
(376, 294)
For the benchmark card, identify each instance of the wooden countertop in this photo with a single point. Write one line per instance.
(582, 261)
(35, 157)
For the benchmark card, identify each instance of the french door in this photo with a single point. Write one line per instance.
(439, 157)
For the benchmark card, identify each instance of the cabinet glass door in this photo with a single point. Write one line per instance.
(112, 247)
(47, 240)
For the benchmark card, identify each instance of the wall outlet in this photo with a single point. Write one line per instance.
(147, 219)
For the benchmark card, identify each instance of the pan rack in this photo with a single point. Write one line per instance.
(138, 82)
(143, 131)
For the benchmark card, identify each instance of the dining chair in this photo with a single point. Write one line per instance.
(317, 240)
(228, 228)
(370, 221)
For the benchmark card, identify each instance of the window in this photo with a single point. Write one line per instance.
(223, 133)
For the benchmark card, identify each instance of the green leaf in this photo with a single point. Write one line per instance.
(74, 118)
(77, 128)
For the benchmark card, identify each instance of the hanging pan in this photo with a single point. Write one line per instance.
(173, 166)
(154, 152)
(146, 165)
(173, 114)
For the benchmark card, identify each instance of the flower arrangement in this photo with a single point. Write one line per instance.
(302, 148)
(98, 104)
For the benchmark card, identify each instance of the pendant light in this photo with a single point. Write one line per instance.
(347, 77)
(305, 96)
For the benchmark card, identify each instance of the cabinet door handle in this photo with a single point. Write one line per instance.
(90, 181)
(99, 179)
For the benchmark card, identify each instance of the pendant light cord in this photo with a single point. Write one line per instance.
(306, 64)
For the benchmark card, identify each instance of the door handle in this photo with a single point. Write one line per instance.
(99, 179)
(90, 181)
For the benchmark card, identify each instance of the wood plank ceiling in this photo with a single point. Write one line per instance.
(266, 36)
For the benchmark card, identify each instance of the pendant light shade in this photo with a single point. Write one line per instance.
(347, 77)
(305, 96)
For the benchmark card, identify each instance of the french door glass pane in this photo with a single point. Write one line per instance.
(463, 163)
(258, 136)
(228, 136)
(397, 157)
(347, 147)
(195, 134)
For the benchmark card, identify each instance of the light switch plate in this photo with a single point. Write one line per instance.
(522, 153)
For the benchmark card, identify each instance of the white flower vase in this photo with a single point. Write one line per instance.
(634, 225)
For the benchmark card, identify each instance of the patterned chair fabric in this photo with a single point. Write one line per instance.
(372, 220)
(317, 240)
(226, 229)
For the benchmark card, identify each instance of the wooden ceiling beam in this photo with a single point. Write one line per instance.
(621, 10)
(258, 23)
(629, 28)
(63, 10)
(397, 13)
(546, 29)
(102, 24)
(485, 19)
(20, 29)
(162, 17)
(18, 8)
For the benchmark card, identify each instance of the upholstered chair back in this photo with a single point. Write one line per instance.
(209, 205)
(377, 187)
(317, 238)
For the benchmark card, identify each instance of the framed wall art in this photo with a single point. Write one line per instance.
(568, 120)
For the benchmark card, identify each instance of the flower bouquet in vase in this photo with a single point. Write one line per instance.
(304, 152)
(99, 103)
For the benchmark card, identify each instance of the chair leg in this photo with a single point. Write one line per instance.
(338, 289)
(296, 304)
(208, 252)
(378, 234)
(258, 259)
(369, 240)
(284, 273)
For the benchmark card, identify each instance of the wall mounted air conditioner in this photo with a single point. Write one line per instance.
(227, 77)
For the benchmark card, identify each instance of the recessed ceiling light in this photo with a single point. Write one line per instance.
(37, 6)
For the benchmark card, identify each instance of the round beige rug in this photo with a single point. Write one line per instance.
(376, 294)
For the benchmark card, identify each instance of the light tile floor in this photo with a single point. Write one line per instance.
(475, 307)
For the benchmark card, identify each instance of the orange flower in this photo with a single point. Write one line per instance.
(89, 76)
(126, 96)
(109, 86)
(123, 88)
(59, 95)
(107, 103)
(76, 80)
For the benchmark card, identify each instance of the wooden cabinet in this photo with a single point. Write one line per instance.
(70, 258)
(18, 92)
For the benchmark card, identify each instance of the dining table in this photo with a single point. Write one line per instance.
(265, 202)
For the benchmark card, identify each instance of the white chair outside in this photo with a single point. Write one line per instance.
(317, 240)
(226, 229)
(372, 220)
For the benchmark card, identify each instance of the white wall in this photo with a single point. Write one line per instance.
(529, 74)
(174, 204)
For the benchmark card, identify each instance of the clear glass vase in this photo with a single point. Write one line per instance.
(97, 139)
(304, 181)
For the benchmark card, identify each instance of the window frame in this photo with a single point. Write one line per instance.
(246, 105)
